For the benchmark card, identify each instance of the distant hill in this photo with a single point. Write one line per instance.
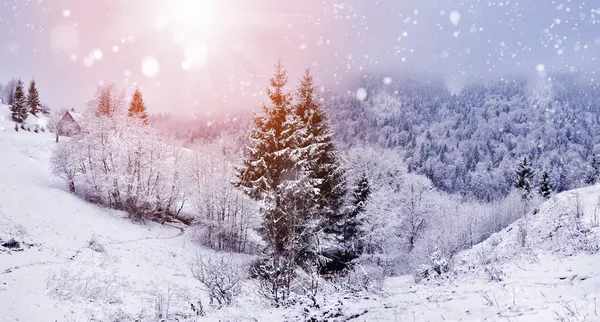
(470, 142)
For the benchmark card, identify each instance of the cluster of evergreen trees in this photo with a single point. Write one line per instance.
(524, 181)
(293, 169)
(109, 100)
(22, 105)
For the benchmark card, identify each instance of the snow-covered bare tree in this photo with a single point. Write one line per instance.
(417, 209)
(124, 165)
(224, 214)
(109, 100)
(8, 91)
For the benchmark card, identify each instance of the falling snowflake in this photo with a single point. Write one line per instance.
(540, 68)
(361, 94)
(455, 17)
(97, 54)
(150, 67)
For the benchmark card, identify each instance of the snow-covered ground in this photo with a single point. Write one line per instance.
(129, 269)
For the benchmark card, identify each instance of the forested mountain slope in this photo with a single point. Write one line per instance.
(470, 142)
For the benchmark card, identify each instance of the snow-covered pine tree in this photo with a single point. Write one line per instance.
(19, 104)
(33, 99)
(546, 187)
(353, 222)
(524, 179)
(137, 108)
(317, 155)
(594, 173)
(271, 175)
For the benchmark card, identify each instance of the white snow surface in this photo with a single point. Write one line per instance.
(61, 278)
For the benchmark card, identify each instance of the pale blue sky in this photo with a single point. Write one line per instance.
(55, 40)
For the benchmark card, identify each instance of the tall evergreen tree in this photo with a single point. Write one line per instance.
(524, 179)
(274, 174)
(546, 187)
(270, 175)
(318, 157)
(137, 108)
(33, 99)
(593, 175)
(19, 104)
(353, 222)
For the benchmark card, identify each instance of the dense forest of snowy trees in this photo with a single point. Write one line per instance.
(470, 143)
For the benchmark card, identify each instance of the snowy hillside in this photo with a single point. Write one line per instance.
(566, 224)
(78, 262)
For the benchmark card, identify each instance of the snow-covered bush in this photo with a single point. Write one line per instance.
(221, 277)
(274, 278)
(81, 284)
(363, 278)
(95, 245)
(438, 265)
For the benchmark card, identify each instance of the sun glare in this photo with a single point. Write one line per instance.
(196, 15)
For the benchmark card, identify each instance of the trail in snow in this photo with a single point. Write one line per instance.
(181, 232)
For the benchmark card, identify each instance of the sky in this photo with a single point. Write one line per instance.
(197, 56)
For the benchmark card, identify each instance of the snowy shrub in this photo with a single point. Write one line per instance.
(96, 246)
(308, 284)
(12, 243)
(522, 234)
(221, 277)
(81, 284)
(367, 278)
(438, 265)
(493, 273)
(274, 278)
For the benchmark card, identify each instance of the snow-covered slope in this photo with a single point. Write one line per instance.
(566, 224)
(58, 276)
(80, 262)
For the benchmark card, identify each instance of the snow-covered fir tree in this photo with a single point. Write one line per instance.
(546, 187)
(593, 175)
(273, 175)
(19, 105)
(137, 107)
(33, 99)
(524, 179)
(318, 157)
(353, 222)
